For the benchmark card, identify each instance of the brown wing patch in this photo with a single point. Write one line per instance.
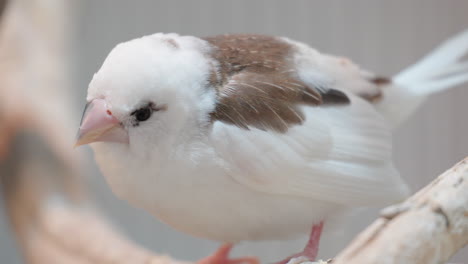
(263, 101)
(256, 84)
(251, 53)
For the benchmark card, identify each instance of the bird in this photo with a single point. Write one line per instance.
(248, 137)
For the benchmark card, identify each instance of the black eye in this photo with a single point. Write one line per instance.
(143, 114)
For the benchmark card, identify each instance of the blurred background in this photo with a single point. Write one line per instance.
(53, 47)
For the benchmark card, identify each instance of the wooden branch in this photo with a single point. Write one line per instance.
(427, 228)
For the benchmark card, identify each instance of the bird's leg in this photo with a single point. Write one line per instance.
(221, 256)
(311, 249)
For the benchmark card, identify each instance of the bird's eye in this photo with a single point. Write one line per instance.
(143, 114)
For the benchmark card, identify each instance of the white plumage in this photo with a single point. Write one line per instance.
(221, 182)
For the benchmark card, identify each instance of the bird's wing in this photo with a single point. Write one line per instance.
(269, 101)
(339, 153)
(257, 83)
(282, 126)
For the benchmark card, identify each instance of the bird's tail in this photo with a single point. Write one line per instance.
(441, 69)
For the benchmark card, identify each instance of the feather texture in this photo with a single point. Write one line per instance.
(257, 85)
(340, 155)
(440, 70)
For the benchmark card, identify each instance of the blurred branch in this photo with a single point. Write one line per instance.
(35, 91)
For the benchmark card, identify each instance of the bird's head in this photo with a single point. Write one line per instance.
(148, 91)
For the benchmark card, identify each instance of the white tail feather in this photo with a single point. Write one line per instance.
(438, 71)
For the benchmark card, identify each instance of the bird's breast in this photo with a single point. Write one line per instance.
(203, 200)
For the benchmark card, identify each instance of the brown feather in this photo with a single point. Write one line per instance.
(256, 84)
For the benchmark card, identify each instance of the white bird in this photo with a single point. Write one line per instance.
(251, 137)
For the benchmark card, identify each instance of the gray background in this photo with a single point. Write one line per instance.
(383, 36)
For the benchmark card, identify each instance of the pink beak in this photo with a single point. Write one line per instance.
(98, 124)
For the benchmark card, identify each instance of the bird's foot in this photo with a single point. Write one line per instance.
(311, 249)
(221, 256)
